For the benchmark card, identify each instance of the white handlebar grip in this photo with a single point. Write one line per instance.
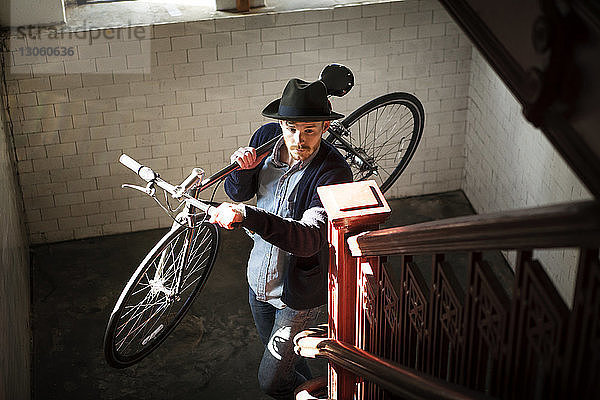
(130, 163)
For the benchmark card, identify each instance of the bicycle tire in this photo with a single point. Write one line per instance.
(387, 131)
(137, 327)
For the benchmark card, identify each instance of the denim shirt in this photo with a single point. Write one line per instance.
(305, 235)
(277, 190)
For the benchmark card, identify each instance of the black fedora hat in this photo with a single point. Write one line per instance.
(302, 101)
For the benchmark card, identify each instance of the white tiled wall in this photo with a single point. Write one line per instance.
(510, 164)
(182, 95)
(15, 334)
(187, 94)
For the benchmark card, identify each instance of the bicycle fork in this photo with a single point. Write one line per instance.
(157, 283)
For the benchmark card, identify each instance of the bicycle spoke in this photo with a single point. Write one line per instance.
(191, 273)
(382, 145)
(378, 155)
(143, 285)
(151, 328)
(132, 310)
(153, 307)
(387, 129)
(372, 134)
(384, 134)
(138, 329)
(135, 311)
(190, 284)
(137, 318)
(202, 245)
(196, 266)
(376, 131)
(143, 306)
(392, 151)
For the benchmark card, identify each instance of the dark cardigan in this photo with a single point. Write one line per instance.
(304, 236)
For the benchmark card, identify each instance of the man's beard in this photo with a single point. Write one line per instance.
(300, 152)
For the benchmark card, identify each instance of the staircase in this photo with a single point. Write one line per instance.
(465, 332)
(406, 337)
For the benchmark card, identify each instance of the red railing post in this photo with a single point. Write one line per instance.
(351, 208)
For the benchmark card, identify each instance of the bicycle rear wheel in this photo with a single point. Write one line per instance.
(151, 305)
(383, 135)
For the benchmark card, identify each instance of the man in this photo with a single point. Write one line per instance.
(287, 268)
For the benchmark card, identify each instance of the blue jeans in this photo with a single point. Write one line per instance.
(281, 370)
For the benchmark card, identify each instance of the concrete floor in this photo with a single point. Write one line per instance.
(213, 354)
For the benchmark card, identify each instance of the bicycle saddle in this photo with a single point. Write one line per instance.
(338, 79)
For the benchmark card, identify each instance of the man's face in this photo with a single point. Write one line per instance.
(302, 138)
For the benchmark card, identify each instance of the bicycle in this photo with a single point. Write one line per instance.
(378, 140)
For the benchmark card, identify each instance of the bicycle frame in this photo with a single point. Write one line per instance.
(191, 182)
(216, 177)
(194, 184)
(161, 289)
(163, 286)
(189, 191)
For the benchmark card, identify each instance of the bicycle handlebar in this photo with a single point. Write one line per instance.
(147, 174)
(130, 163)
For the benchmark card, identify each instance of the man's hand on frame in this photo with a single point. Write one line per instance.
(246, 157)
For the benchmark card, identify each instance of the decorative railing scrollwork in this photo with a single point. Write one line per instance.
(464, 323)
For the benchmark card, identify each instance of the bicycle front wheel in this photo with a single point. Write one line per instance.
(159, 293)
(383, 135)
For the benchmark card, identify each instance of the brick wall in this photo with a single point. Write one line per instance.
(15, 334)
(510, 164)
(182, 95)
